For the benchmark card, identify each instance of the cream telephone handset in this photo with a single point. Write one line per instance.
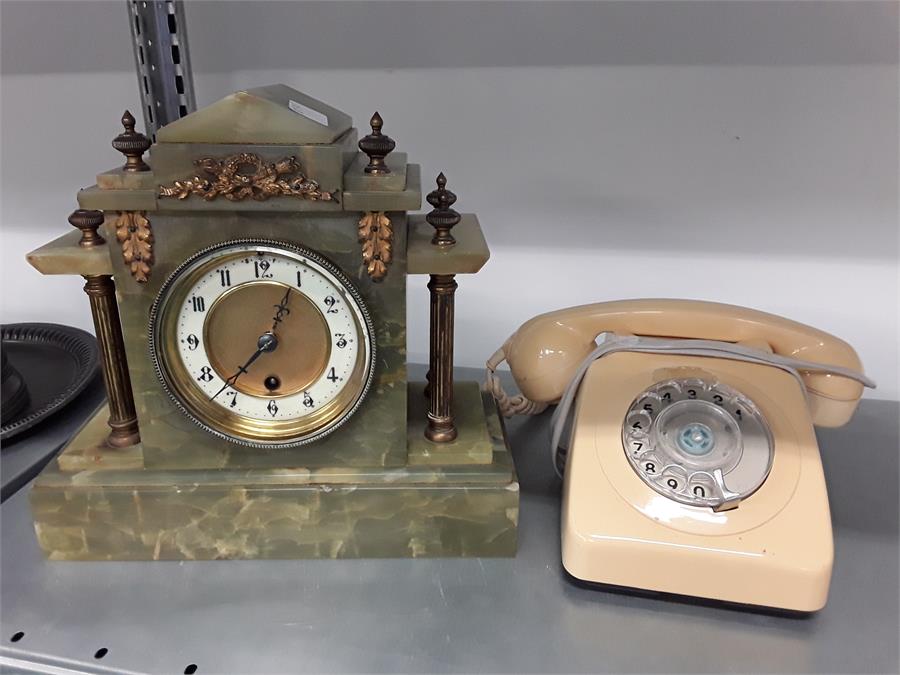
(692, 465)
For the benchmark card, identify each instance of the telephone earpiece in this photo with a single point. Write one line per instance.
(544, 353)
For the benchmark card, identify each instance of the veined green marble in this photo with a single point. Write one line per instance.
(374, 436)
(63, 255)
(88, 451)
(141, 514)
(117, 200)
(272, 114)
(473, 443)
(119, 179)
(357, 180)
(408, 199)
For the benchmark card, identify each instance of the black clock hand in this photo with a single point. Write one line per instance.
(267, 343)
(281, 310)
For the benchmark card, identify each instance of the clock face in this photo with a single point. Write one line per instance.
(263, 343)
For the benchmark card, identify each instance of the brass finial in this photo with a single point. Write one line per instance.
(88, 222)
(377, 146)
(133, 144)
(442, 218)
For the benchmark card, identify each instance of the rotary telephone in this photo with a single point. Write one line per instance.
(691, 465)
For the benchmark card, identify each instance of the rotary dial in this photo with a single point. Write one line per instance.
(264, 343)
(698, 442)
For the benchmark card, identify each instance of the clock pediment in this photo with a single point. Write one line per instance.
(274, 114)
(271, 148)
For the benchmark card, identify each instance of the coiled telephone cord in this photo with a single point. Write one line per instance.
(508, 406)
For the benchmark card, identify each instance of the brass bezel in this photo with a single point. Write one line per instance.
(213, 418)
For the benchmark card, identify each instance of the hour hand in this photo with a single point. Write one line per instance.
(267, 343)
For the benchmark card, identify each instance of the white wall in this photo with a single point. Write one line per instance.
(734, 151)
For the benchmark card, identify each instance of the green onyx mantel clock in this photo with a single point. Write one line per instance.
(248, 288)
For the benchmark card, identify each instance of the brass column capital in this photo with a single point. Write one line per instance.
(99, 286)
(443, 284)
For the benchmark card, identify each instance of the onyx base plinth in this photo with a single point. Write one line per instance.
(98, 503)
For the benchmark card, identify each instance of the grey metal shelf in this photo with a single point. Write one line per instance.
(450, 615)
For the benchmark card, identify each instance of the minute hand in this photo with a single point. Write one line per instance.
(266, 343)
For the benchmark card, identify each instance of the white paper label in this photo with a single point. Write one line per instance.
(308, 113)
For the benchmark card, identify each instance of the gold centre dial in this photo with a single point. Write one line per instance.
(304, 339)
(263, 343)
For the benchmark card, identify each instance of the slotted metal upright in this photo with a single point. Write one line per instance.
(162, 59)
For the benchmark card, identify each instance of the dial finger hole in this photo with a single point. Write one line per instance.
(674, 477)
(650, 404)
(669, 393)
(738, 408)
(694, 389)
(711, 394)
(701, 486)
(638, 422)
(638, 446)
(672, 482)
(717, 397)
(650, 464)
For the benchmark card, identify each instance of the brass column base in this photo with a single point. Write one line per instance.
(441, 429)
(123, 433)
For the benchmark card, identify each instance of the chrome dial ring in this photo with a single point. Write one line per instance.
(699, 442)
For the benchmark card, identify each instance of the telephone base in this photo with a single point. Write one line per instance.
(774, 550)
(714, 569)
(98, 503)
(664, 596)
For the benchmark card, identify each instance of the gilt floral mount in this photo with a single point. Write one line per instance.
(247, 176)
(135, 235)
(376, 234)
